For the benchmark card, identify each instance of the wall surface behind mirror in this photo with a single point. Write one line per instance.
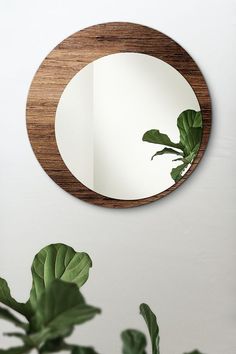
(179, 254)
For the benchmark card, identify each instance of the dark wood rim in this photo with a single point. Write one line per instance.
(69, 57)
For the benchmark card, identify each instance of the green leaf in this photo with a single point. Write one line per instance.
(8, 316)
(7, 299)
(16, 350)
(60, 306)
(58, 261)
(179, 159)
(53, 345)
(176, 172)
(58, 344)
(190, 135)
(134, 342)
(39, 338)
(167, 151)
(16, 334)
(45, 336)
(83, 350)
(192, 155)
(25, 339)
(154, 136)
(152, 325)
(198, 120)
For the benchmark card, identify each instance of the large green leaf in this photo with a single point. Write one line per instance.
(167, 151)
(60, 306)
(8, 316)
(7, 299)
(198, 120)
(134, 342)
(190, 130)
(16, 350)
(176, 172)
(156, 137)
(58, 261)
(152, 325)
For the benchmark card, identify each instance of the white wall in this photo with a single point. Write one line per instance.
(178, 254)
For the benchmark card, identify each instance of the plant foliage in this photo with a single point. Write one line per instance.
(189, 124)
(56, 306)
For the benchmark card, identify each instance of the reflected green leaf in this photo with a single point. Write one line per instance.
(167, 151)
(156, 137)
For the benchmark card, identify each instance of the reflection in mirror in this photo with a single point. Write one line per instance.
(128, 126)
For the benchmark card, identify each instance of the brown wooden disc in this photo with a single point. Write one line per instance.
(69, 57)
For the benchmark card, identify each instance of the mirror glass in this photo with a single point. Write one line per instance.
(116, 114)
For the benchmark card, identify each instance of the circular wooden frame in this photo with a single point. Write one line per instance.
(69, 57)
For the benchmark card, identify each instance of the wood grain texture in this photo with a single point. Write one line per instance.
(69, 57)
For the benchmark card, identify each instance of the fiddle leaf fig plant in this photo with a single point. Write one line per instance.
(56, 305)
(134, 342)
(189, 124)
(57, 261)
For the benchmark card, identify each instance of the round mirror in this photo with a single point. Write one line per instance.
(119, 115)
(104, 121)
